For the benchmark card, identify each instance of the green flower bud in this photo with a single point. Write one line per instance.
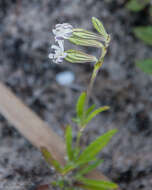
(85, 42)
(81, 33)
(75, 56)
(99, 27)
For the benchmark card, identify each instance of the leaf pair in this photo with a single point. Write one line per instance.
(85, 115)
(89, 154)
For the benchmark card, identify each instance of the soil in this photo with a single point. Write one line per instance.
(25, 35)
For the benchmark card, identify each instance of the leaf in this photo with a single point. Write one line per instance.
(96, 146)
(137, 5)
(104, 185)
(89, 168)
(96, 112)
(90, 109)
(50, 160)
(145, 65)
(81, 163)
(68, 139)
(80, 107)
(144, 33)
(99, 27)
(68, 168)
(71, 166)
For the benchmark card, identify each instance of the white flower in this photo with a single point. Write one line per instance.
(62, 31)
(58, 55)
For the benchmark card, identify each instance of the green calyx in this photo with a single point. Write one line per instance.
(75, 56)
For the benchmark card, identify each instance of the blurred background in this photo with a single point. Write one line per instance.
(25, 40)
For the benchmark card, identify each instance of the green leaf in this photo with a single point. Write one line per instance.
(68, 139)
(96, 112)
(144, 33)
(145, 65)
(103, 185)
(50, 160)
(82, 162)
(96, 146)
(80, 107)
(137, 5)
(99, 27)
(90, 109)
(89, 168)
(69, 167)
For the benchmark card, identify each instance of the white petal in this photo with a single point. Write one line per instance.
(61, 44)
(51, 55)
(54, 31)
(55, 47)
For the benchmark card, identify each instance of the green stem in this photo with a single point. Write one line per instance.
(78, 143)
(97, 66)
(78, 138)
(96, 69)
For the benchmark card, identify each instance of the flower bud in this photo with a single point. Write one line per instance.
(75, 56)
(85, 42)
(99, 27)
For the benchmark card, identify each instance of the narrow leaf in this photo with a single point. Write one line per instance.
(89, 168)
(99, 184)
(90, 109)
(145, 65)
(144, 33)
(96, 112)
(89, 187)
(68, 168)
(68, 139)
(96, 146)
(50, 160)
(80, 107)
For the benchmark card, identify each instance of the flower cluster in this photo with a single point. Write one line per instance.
(81, 37)
(61, 32)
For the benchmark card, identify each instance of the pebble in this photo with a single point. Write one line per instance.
(65, 78)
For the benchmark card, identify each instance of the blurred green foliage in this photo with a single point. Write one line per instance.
(145, 65)
(144, 33)
(137, 5)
